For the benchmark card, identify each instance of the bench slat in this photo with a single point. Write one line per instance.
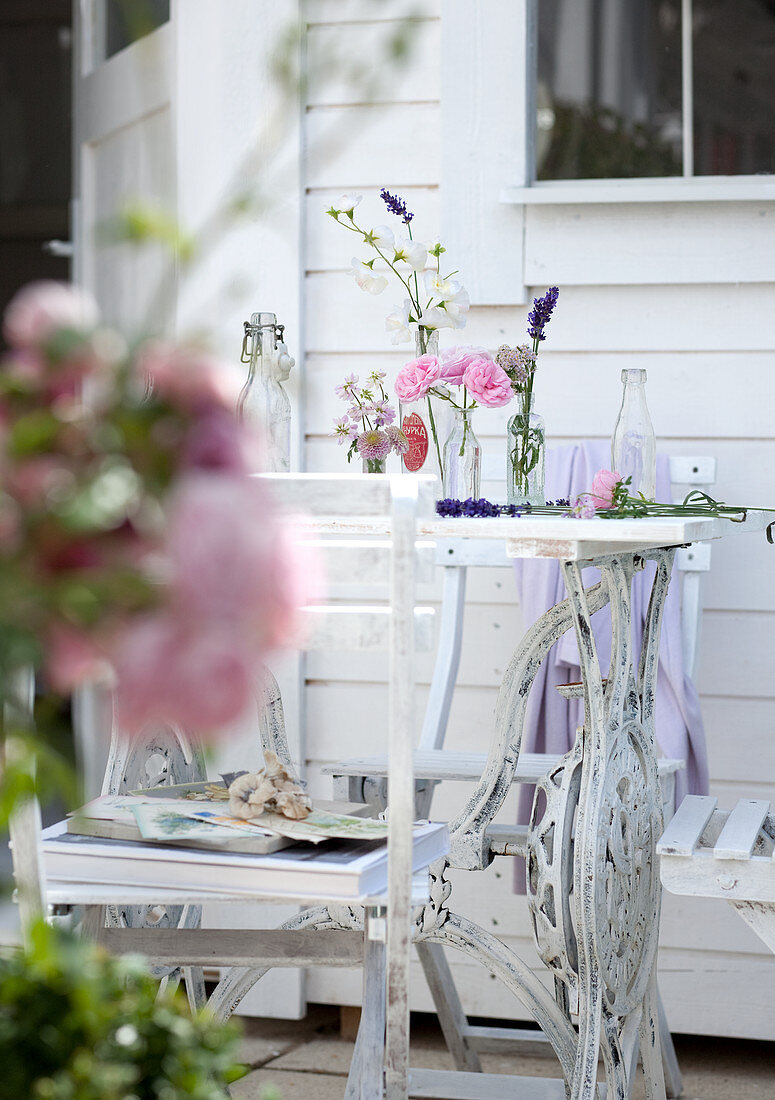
(683, 833)
(737, 838)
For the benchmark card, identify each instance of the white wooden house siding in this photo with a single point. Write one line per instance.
(682, 289)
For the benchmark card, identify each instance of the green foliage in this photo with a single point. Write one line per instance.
(76, 1024)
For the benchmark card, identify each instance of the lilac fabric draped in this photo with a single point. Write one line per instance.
(551, 721)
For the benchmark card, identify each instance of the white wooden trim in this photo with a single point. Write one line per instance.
(698, 189)
(486, 92)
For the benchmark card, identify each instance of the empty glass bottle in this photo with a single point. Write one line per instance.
(633, 446)
(263, 399)
(462, 459)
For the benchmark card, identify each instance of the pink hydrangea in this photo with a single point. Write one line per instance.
(603, 488)
(456, 361)
(487, 382)
(416, 378)
(41, 309)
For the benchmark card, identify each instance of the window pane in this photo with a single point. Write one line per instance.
(734, 87)
(126, 21)
(609, 89)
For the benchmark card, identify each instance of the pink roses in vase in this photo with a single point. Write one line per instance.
(479, 381)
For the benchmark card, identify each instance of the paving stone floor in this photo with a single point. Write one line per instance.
(308, 1060)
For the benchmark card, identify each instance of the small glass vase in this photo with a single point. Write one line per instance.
(462, 459)
(525, 454)
(426, 423)
(374, 465)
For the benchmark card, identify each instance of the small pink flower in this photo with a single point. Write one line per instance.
(374, 443)
(487, 383)
(582, 507)
(188, 377)
(41, 309)
(603, 487)
(456, 361)
(398, 440)
(416, 378)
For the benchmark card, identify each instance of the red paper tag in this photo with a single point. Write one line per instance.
(415, 431)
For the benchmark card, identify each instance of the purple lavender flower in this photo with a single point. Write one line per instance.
(541, 313)
(396, 205)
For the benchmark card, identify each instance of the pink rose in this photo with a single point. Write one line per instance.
(416, 378)
(188, 377)
(603, 487)
(41, 309)
(456, 361)
(487, 382)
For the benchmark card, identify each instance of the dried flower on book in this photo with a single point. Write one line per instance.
(272, 788)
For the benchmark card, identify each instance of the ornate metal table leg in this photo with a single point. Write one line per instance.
(616, 891)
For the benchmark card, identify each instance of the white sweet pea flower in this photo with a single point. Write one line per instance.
(381, 236)
(399, 325)
(410, 252)
(440, 289)
(362, 272)
(451, 311)
(346, 204)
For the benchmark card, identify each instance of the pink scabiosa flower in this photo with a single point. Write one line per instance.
(42, 309)
(374, 443)
(398, 440)
(604, 485)
(487, 382)
(417, 377)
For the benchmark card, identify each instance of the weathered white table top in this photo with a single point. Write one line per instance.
(563, 537)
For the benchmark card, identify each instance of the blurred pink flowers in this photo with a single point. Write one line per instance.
(134, 539)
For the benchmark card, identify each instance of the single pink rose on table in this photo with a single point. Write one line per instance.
(417, 377)
(603, 488)
(456, 361)
(487, 382)
(41, 309)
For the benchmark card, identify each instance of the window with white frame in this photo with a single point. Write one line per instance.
(654, 88)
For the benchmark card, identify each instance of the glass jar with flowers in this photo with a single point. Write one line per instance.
(368, 423)
(433, 300)
(480, 381)
(525, 432)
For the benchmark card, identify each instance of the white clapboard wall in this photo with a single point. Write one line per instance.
(683, 290)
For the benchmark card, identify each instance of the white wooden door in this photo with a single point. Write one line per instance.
(185, 121)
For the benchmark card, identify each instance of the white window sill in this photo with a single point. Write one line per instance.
(699, 189)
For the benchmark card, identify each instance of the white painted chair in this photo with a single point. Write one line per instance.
(362, 779)
(714, 853)
(375, 933)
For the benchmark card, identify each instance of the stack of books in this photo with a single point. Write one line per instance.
(151, 839)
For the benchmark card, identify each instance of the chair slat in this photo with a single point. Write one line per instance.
(683, 834)
(345, 494)
(361, 628)
(737, 838)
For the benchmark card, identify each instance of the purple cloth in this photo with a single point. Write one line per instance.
(551, 721)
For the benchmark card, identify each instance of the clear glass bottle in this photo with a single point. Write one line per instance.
(462, 459)
(426, 423)
(525, 454)
(263, 399)
(633, 446)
